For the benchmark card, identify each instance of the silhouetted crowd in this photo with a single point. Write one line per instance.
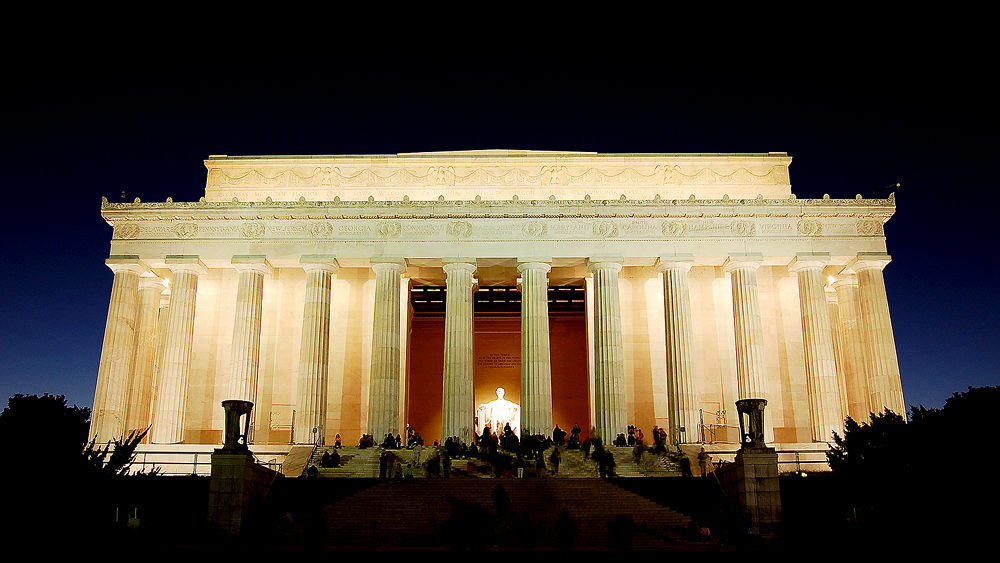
(504, 452)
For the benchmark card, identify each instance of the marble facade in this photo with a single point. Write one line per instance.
(288, 284)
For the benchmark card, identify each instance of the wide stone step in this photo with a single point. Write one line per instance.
(411, 514)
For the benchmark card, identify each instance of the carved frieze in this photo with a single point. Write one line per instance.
(744, 228)
(810, 228)
(321, 229)
(186, 230)
(605, 229)
(496, 175)
(389, 229)
(870, 227)
(459, 229)
(126, 231)
(252, 230)
(674, 229)
(534, 229)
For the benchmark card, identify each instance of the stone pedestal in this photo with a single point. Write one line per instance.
(751, 483)
(236, 482)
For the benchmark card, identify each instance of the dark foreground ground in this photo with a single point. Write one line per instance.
(141, 514)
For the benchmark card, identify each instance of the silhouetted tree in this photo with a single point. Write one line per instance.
(925, 480)
(45, 429)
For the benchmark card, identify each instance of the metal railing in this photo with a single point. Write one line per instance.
(193, 463)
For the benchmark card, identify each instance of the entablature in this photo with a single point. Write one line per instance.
(496, 175)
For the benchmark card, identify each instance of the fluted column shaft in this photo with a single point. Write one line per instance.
(458, 407)
(117, 352)
(314, 355)
(536, 365)
(833, 306)
(682, 400)
(175, 362)
(750, 376)
(884, 386)
(146, 328)
(245, 353)
(383, 401)
(817, 349)
(609, 364)
(855, 370)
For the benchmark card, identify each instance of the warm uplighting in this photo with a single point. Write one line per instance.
(830, 279)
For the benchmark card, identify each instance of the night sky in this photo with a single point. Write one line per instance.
(92, 125)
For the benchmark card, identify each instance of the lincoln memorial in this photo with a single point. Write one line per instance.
(360, 294)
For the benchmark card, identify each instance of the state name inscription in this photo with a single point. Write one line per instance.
(498, 360)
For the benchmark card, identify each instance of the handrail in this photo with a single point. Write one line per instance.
(194, 462)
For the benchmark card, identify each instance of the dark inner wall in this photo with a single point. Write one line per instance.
(497, 345)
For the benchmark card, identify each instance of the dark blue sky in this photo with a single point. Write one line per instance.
(91, 126)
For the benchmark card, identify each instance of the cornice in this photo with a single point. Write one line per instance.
(513, 208)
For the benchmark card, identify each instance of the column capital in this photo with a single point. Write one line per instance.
(596, 263)
(397, 265)
(149, 280)
(124, 263)
(251, 263)
(458, 265)
(846, 278)
(674, 262)
(869, 261)
(527, 264)
(747, 261)
(809, 261)
(185, 263)
(319, 263)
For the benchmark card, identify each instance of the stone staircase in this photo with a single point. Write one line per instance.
(355, 462)
(358, 463)
(455, 512)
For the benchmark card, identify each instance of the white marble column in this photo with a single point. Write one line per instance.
(246, 330)
(751, 378)
(146, 327)
(817, 349)
(161, 330)
(536, 365)
(833, 306)
(175, 361)
(609, 363)
(118, 351)
(314, 352)
(682, 399)
(383, 398)
(458, 401)
(885, 390)
(855, 370)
